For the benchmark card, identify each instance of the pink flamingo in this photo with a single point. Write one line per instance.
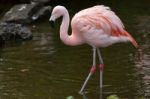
(97, 26)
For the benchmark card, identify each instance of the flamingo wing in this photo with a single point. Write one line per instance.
(101, 18)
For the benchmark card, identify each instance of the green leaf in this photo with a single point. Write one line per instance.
(113, 97)
(70, 97)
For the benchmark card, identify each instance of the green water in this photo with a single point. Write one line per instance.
(45, 68)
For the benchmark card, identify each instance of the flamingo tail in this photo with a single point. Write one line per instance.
(132, 40)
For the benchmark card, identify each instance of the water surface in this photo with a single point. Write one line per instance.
(45, 68)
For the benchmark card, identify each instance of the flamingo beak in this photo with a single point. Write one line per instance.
(52, 23)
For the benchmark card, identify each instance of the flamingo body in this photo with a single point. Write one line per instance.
(97, 26)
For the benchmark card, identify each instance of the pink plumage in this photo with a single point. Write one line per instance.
(97, 26)
(103, 23)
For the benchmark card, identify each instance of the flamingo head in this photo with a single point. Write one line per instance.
(57, 12)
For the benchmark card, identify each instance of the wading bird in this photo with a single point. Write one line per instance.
(96, 26)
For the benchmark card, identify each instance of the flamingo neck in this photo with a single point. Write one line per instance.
(71, 40)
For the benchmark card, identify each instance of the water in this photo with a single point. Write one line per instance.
(45, 68)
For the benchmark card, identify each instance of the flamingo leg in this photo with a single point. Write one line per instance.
(92, 70)
(101, 66)
(84, 96)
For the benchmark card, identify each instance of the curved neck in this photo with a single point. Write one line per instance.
(64, 36)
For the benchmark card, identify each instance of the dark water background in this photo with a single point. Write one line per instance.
(45, 68)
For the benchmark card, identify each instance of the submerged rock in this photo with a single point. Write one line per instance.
(13, 24)
(10, 31)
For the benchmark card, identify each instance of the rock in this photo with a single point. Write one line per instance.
(10, 31)
(21, 13)
(40, 1)
(42, 12)
(14, 1)
(12, 24)
(22, 1)
(24, 33)
(26, 13)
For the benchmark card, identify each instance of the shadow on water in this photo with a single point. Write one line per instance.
(100, 95)
(45, 68)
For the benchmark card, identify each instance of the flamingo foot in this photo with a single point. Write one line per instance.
(101, 67)
(93, 69)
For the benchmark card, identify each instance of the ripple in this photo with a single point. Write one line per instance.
(142, 61)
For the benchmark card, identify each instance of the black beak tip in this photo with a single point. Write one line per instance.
(52, 23)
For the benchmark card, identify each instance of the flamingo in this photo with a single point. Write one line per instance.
(96, 26)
